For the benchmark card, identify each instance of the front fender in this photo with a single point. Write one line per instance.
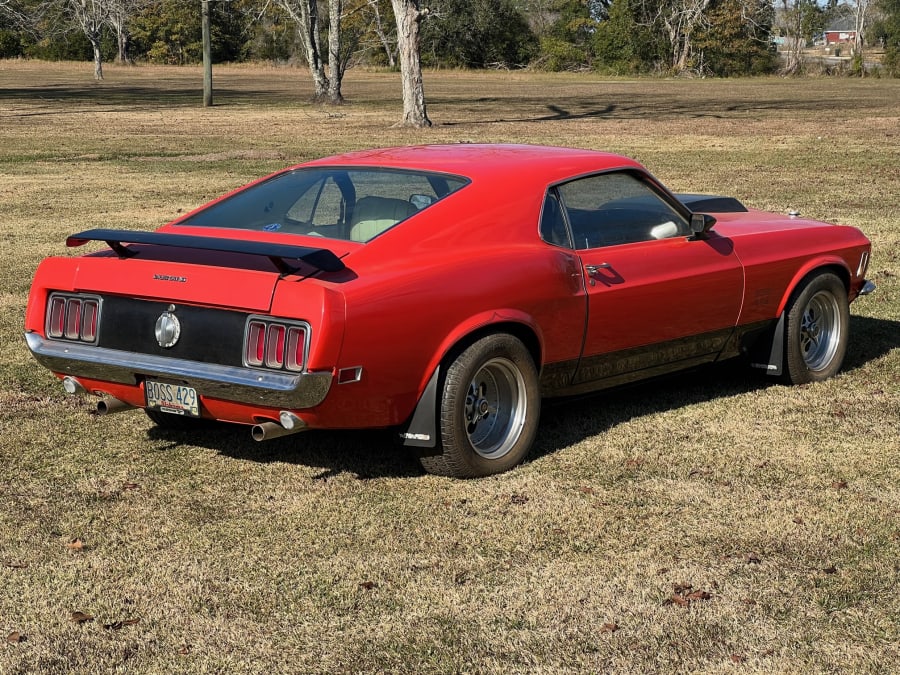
(804, 271)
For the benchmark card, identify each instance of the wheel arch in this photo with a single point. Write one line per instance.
(767, 350)
(832, 264)
(420, 430)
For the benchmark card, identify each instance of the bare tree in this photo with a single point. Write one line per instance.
(380, 32)
(336, 63)
(408, 14)
(91, 16)
(305, 14)
(15, 12)
(681, 18)
(120, 14)
(861, 11)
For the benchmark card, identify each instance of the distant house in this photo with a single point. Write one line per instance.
(841, 31)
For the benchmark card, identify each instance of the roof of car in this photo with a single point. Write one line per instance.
(478, 161)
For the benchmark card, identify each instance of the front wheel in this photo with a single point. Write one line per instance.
(489, 409)
(816, 332)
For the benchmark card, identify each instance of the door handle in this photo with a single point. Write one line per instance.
(593, 269)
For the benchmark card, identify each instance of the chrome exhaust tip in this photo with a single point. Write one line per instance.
(288, 424)
(73, 386)
(109, 405)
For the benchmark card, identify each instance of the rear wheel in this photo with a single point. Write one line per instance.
(489, 409)
(816, 329)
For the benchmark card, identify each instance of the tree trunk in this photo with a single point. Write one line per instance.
(122, 44)
(305, 14)
(379, 31)
(408, 16)
(98, 59)
(335, 67)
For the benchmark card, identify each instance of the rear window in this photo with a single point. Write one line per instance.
(338, 203)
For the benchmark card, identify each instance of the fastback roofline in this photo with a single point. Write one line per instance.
(279, 254)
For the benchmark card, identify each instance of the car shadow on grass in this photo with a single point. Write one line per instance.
(564, 422)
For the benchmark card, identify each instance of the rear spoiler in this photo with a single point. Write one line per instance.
(279, 254)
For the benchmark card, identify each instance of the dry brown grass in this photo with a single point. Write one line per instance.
(711, 522)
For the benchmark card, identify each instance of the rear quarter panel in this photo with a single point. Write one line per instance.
(404, 313)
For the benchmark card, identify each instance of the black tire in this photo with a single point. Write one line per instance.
(489, 409)
(816, 329)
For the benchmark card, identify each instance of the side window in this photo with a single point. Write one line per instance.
(618, 208)
(553, 223)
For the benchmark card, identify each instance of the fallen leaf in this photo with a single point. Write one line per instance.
(839, 484)
(749, 601)
(118, 625)
(698, 595)
(737, 658)
(609, 627)
(368, 585)
(130, 486)
(15, 637)
(798, 520)
(75, 545)
(184, 650)
(587, 490)
(676, 600)
(81, 617)
(16, 566)
(634, 462)
(831, 569)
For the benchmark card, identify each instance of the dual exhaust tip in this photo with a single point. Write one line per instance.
(287, 425)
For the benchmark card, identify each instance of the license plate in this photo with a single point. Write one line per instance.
(172, 398)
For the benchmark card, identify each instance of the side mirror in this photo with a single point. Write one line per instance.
(701, 223)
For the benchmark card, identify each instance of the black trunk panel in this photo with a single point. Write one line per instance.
(207, 335)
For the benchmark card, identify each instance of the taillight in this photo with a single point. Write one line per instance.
(276, 345)
(73, 317)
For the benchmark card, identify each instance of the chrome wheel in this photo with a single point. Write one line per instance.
(489, 408)
(816, 325)
(495, 408)
(820, 330)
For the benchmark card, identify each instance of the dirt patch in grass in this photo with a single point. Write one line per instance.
(710, 522)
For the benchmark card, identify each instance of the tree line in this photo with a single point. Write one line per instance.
(704, 37)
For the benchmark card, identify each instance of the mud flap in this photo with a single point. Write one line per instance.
(773, 362)
(421, 430)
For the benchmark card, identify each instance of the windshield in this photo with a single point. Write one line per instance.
(339, 203)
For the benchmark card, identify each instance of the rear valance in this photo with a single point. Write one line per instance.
(279, 254)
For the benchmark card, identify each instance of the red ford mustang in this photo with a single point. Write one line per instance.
(442, 291)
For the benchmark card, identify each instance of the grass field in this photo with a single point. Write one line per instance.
(711, 522)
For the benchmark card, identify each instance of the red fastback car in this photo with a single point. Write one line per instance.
(442, 291)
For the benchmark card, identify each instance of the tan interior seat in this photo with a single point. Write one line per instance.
(373, 215)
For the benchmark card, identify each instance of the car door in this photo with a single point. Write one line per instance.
(658, 299)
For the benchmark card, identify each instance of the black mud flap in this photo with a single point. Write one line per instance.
(768, 352)
(421, 430)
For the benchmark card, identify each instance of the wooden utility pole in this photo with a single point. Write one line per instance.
(207, 54)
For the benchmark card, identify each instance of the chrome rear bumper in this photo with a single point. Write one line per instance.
(242, 385)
